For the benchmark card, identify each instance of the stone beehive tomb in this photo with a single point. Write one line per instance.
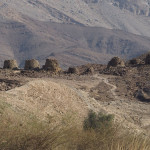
(89, 70)
(10, 64)
(116, 62)
(147, 59)
(52, 65)
(31, 64)
(73, 70)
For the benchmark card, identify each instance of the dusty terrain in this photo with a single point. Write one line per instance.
(46, 95)
(73, 31)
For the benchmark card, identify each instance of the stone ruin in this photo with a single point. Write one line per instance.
(147, 59)
(135, 61)
(52, 65)
(32, 65)
(89, 70)
(73, 70)
(116, 62)
(10, 64)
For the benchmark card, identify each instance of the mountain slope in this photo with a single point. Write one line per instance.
(101, 13)
(70, 44)
(71, 30)
(138, 7)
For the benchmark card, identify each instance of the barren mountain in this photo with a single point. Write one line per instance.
(138, 7)
(70, 44)
(112, 14)
(71, 30)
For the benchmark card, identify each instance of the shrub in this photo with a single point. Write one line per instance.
(98, 121)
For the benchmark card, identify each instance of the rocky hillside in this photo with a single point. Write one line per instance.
(74, 31)
(70, 44)
(101, 13)
(137, 7)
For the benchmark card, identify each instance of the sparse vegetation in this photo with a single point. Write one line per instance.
(98, 121)
(99, 133)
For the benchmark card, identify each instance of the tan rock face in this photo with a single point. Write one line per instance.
(31, 64)
(52, 65)
(10, 64)
(116, 62)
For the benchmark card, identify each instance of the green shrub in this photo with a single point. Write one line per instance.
(98, 121)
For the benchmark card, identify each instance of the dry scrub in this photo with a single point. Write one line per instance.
(26, 132)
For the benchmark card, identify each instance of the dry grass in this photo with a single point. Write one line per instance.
(26, 132)
(112, 141)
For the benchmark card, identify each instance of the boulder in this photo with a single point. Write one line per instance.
(116, 62)
(10, 64)
(147, 59)
(135, 61)
(32, 64)
(52, 65)
(143, 95)
(73, 70)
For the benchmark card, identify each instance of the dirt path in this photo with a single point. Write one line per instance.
(90, 102)
(133, 114)
(113, 87)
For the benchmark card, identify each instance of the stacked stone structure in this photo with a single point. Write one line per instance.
(73, 70)
(10, 64)
(89, 70)
(52, 65)
(116, 62)
(32, 65)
